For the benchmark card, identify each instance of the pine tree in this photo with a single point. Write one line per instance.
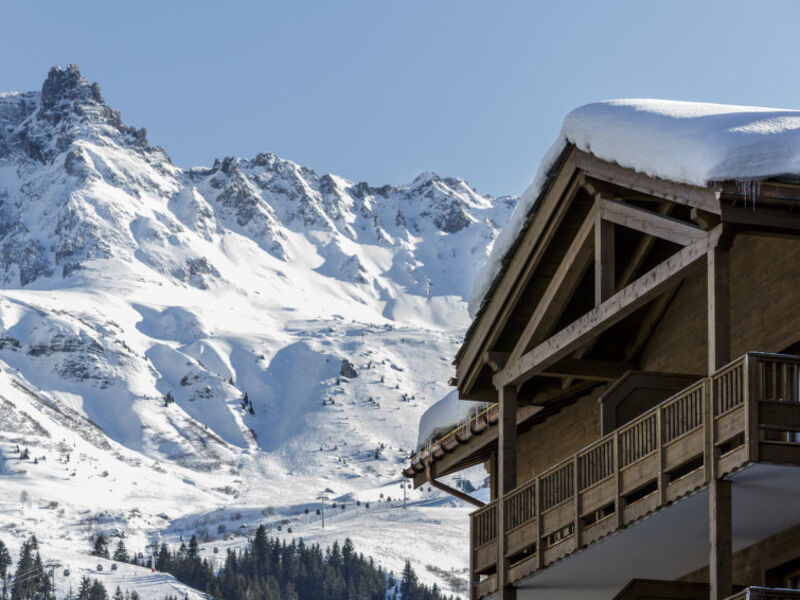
(98, 591)
(5, 560)
(121, 553)
(193, 548)
(409, 583)
(31, 582)
(118, 595)
(85, 588)
(100, 546)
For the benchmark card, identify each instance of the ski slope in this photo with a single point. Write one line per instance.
(182, 346)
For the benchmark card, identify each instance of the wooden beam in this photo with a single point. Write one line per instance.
(649, 222)
(449, 490)
(763, 219)
(507, 481)
(642, 249)
(699, 197)
(720, 563)
(507, 441)
(704, 219)
(604, 263)
(633, 266)
(521, 264)
(495, 360)
(562, 286)
(719, 308)
(775, 191)
(595, 370)
(627, 300)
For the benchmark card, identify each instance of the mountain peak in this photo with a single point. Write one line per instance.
(68, 84)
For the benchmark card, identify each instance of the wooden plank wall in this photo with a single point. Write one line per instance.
(751, 564)
(678, 344)
(765, 272)
(560, 436)
(765, 286)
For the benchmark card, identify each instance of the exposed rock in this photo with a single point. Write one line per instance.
(348, 370)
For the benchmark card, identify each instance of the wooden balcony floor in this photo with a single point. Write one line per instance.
(672, 541)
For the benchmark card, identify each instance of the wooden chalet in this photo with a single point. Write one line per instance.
(639, 351)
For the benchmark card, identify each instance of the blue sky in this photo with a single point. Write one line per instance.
(380, 91)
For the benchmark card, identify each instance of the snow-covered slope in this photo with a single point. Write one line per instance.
(247, 334)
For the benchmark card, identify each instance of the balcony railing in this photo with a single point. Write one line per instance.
(747, 411)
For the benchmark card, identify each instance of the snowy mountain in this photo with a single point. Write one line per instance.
(183, 347)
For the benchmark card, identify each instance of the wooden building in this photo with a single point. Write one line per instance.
(638, 349)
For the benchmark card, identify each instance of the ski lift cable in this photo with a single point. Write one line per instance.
(26, 572)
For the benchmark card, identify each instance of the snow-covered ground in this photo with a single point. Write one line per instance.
(197, 352)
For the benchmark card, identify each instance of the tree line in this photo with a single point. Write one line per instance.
(266, 569)
(271, 569)
(30, 580)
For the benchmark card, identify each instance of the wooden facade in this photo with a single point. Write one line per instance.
(638, 347)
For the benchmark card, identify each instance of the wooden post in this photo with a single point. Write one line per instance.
(604, 275)
(720, 563)
(493, 476)
(752, 377)
(617, 481)
(719, 308)
(662, 476)
(539, 526)
(576, 487)
(507, 481)
(720, 566)
(473, 580)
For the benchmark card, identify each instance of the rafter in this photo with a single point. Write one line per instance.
(634, 264)
(649, 222)
(595, 370)
(523, 263)
(699, 197)
(563, 284)
(604, 263)
(620, 305)
(495, 360)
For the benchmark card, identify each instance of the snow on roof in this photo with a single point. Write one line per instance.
(443, 416)
(687, 142)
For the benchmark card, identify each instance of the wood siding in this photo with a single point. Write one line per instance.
(765, 273)
(750, 565)
(760, 298)
(562, 435)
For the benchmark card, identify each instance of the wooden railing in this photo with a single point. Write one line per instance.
(637, 440)
(596, 463)
(484, 522)
(557, 486)
(747, 411)
(683, 414)
(729, 386)
(520, 505)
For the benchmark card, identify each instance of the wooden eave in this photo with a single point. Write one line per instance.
(460, 449)
(573, 168)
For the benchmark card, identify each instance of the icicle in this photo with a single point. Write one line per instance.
(749, 190)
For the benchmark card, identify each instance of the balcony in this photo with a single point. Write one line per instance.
(747, 412)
